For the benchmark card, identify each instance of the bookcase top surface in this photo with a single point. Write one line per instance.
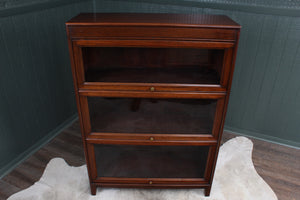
(153, 19)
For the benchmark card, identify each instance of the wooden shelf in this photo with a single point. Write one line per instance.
(131, 161)
(156, 116)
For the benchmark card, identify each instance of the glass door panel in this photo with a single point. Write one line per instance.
(155, 116)
(152, 65)
(135, 161)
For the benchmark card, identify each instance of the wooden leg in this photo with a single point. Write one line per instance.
(93, 189)
(207, 191)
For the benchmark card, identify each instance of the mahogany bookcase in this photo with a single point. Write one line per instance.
(152, 93)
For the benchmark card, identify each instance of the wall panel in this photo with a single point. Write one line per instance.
(36, 89)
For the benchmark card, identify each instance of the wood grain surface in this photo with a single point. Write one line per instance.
(153, 19)
(158, 57)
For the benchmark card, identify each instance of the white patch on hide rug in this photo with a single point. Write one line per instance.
(235, 179)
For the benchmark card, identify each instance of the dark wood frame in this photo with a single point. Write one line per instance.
(152, 30)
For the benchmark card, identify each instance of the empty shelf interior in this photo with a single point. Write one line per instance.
(151, 161)
(163, 116)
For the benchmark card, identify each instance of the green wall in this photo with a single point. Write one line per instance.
(36, 92)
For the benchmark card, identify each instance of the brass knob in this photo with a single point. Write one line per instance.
(150, 182)
(152, 89)
(151, 138)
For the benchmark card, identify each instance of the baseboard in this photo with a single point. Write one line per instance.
(23, 156)
(263, 137)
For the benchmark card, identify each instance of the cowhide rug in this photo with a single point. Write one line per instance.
(235, 179)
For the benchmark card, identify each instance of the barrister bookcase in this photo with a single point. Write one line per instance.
(152, 92)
